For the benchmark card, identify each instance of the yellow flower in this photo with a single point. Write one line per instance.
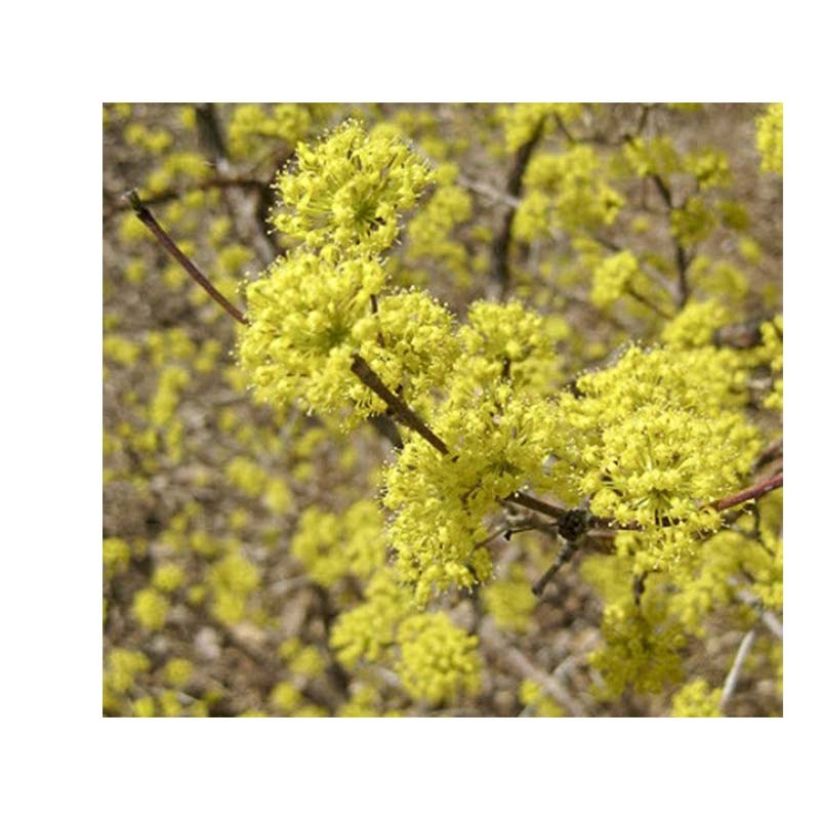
(438, 660)
(350, 189)
(770, 139)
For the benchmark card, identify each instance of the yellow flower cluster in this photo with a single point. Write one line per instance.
(178, 671)
(350, 190)
(305, 662)
(772, 333)
(613, 277)
(116, 556)
(708, 582)
(332, 546)
(150, 608)
(709, 167)
(367, 632)
(168, 576)
(641, 648)
(693, 222)
(568, 191)
(499, 442)
(363, 702)
(120, 350)
(718, 278)
(299, 344)
(252, 128)
(521, 121)
(648, 157)
(653, 439)
(231, 580)
(182, 167)
(247, 475)
(696, 699)
(438, 660)
(172, 381)
(510, 343)
(153, 140)
(289, 700)
(511, 601)
(410, 341)
(429, 233)
(770, 139)
(695, 325)
(122, 668)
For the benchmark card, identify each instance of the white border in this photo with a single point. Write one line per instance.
(60, 62)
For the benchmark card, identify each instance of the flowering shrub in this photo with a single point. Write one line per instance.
(452, 426)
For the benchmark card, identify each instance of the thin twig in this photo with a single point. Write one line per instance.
(489, 192)
(536, 504)
(767, 617)
(734, 673)
(750, 493)
(171, 194)
(525, 668)
(663, 190)
(501, 244)
(562, 127)
(400, 409)
(647, 303)
(147, 218)
(567, 551)
(250, 218)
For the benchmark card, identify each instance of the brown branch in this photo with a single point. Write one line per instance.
(682, 260)
(147, 218)
(536, 504)
(647, 303)
(663, 190)
(501, 244)
(749, 494)
(209, 130)
(249, 218)
(642, 122)
(400, 409)
(408, 417)
(567, 551)
(171, 194)
(562, 127)
(607, 527)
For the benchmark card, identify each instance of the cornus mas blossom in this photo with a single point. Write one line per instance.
(349, 190)
(647, 442)
(624, 450)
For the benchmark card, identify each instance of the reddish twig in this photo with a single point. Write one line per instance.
(170, 194)
(536, 504)
(400, 409)
(750, 493)
(147, 218)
